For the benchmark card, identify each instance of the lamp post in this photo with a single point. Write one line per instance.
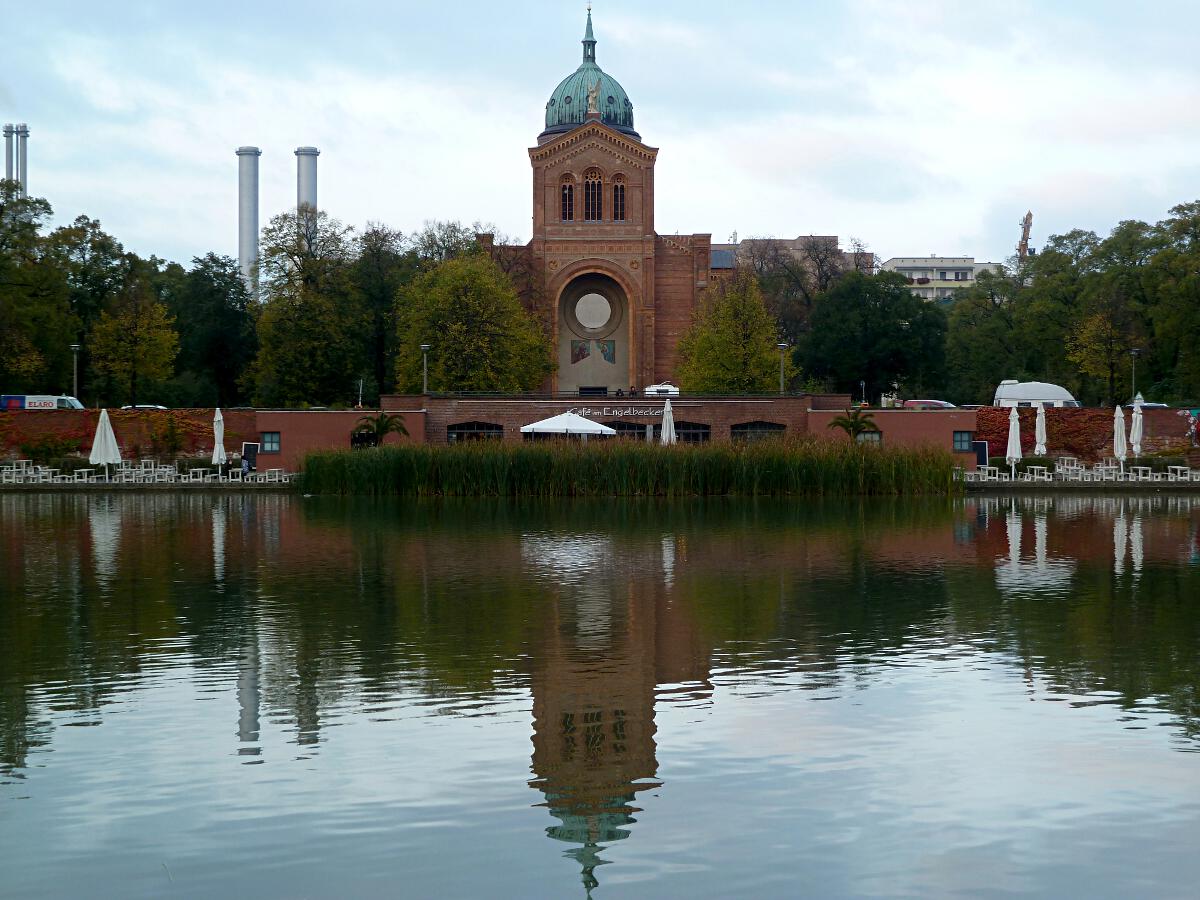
(782, 347)
(863, 386)
(425, 368)
(75, 381)
(1134, 352)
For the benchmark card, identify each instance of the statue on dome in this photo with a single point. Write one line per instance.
(593, 97)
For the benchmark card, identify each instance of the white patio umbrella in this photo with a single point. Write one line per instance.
(105, 451)
(1120, 450)
(219, 458)
(1013, 454)
(1039, 432)
(1135, 429)
(668, 424)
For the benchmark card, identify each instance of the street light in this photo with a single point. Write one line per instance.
(425, 368)
(1134, 353)
(863, 385)
(75, 388)
(782, 346)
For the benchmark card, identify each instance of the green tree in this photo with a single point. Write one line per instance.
(1174, 275)
(311, 327)
(384, 264)
(855, 422)
(481, 338)
(731, 345)
(215, 320)
(35, 321)
(872, 328)
(136, 343)
(380, 426)
(982, 346)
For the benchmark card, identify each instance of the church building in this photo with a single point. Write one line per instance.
(617, 295)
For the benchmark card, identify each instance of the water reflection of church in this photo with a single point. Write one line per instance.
(612, 640)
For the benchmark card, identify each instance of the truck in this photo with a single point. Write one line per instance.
(12, 402)
(1030, 393)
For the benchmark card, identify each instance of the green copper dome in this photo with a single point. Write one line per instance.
(568, 105)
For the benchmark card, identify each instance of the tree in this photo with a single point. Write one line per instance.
(312, 325)
(855, 422)
(872, 328)
(376, 428)
(35, 321)
(982, 345)
(793, 274)
(383, 266)
(215, 320)
(136, 343)
(480, 337)
(731, 345)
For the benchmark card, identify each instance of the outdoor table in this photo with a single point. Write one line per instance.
(1141, 473)
(989, 473)
(84, 474)
(1179, 473)
(1037, 473)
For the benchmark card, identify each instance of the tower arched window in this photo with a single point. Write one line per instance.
(568, 199)
(618, 204)
(593, 204)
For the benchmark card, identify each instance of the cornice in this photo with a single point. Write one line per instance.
(595, 131)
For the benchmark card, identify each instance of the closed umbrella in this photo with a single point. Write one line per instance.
(1120, 450)
(1135, 429)
(219, 458)
(105, 451)
(668, 424)
(1039, 432)
(1013, 454)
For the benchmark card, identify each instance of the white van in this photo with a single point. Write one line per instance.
(1030, 393)
(38, 401)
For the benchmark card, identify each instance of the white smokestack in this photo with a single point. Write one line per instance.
(306, 176)
(8, 151)
(248, 214)
(23, 158)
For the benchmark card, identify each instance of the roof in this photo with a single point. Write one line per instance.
(1031, 390)
(567, 107)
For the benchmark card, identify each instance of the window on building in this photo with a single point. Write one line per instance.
(619, 199)
(568, 200)
(962, 276)
(942, 275)
(963, 439)
(692, 433)
(593, 186)
(270, 442)
(625, 429)
(474, 431)
(869, 437)
(756, 431)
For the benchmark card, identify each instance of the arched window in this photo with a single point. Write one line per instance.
(593, 207)
(618, 206)
(568, 199)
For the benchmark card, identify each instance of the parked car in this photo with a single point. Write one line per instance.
(1030, 393)
(144, 406)
(928, 404)
(38, 401)
(666, 389)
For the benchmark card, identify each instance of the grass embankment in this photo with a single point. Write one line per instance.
(810, 468)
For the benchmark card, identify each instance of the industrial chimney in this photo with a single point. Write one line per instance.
(8, 151)
(248, 215)
(23, 158)
(306, 177)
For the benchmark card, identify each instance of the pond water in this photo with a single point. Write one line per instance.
(276, 696)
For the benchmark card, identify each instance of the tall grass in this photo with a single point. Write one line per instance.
(805, 467)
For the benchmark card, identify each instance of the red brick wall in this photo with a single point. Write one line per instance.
(133, 429)
(718, 413)
(301, 431)
(1083, 433)
(677, 272)
(907, 427)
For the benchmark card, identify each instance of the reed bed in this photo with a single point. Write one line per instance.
(796, 467)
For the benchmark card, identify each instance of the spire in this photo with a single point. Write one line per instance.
(589, 41)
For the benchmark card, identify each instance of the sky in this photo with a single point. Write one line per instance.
(918, 127)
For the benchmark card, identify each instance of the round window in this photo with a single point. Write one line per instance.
(567, 99)
(593, 310)
(611, 99)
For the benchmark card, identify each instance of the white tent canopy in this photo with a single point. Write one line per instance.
(568, 423)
